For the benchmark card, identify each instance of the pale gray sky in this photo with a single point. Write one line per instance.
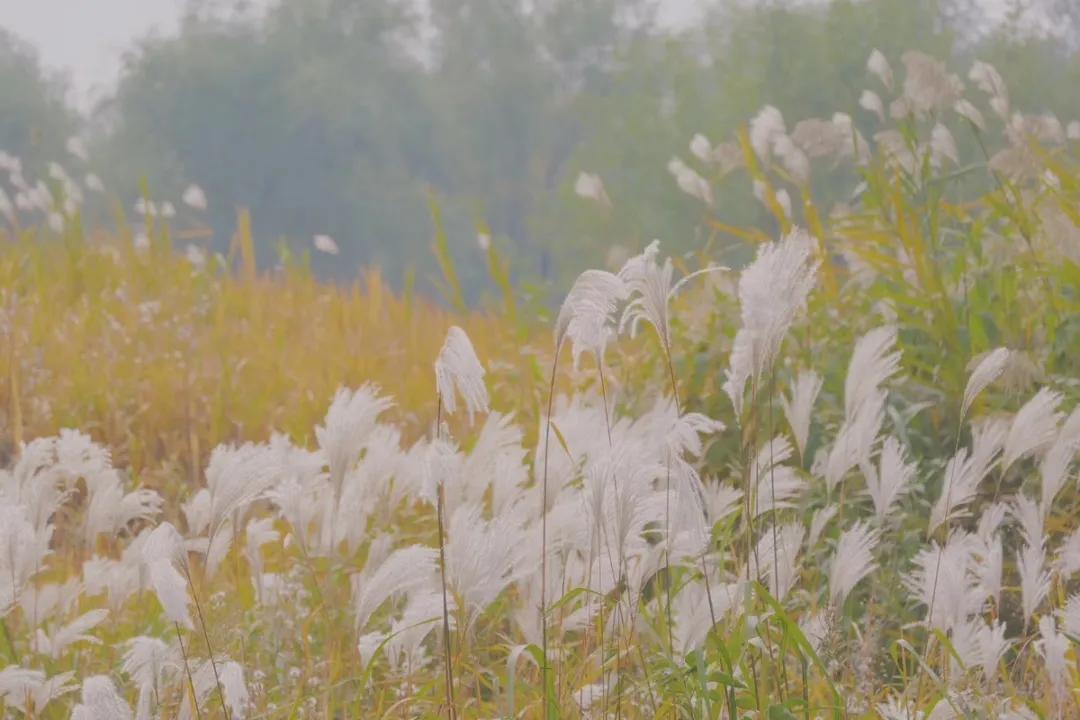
(85, 39)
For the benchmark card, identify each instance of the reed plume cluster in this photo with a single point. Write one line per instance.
(835, 479)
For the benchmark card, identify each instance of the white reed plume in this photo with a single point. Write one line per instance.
(943, 146)
(29, 691)
(1054, 468)
(942, 581)
(854, 560)
(405, 570)
(799, 406)
(1053, 646)
(351, 419)
(965, 471)
(57, 642)
(101, 701)
(892, 480)
(1031, 559)
(765, 127)
(879, 66)
(870, 101)
(772, 290)
(23, 549)
(236, 692)
(194, 197)
(987, 79)
(989, 368)
(928, 86)
(1033, 428)
(591, 187)
(325, 244)
(969, 112)
(774, 558)
(690, 182)
(873, 361)
(458, 371)
(587, 315)
(162, 552)
(147, 661)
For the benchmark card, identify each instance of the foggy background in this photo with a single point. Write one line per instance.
(354, 119)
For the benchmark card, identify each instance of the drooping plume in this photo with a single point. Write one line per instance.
(458, 371)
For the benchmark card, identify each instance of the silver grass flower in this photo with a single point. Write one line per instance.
(942, 581)
(1054, 468)
(772, 290)
(873, 361)
(774, 558)
(799, 406)
(690, 182)
(162, 552)
(969, 112)
(1070, 616)
(23, 549)
(1031, 559)
(237, 698)
(965, 471)
(819, 522)
(892, 480)
(989, 368)
(650, 289)
(853, 560)
(54, 644)
(458, 371)
(870, 101)
(148, 661)
(854, 445)
(987, 79)
(29, 691)
(101, 701)
(794, 161)
(765, 127)
(928, 86)
(1053, 646)
(350, 420)
(587, 315)
(404, 571)
(591, 187)
(879, 66)
(694, 611)
(942, 146)
(1033, 428)
(482, 557)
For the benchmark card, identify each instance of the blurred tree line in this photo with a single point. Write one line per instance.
(348, 118)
